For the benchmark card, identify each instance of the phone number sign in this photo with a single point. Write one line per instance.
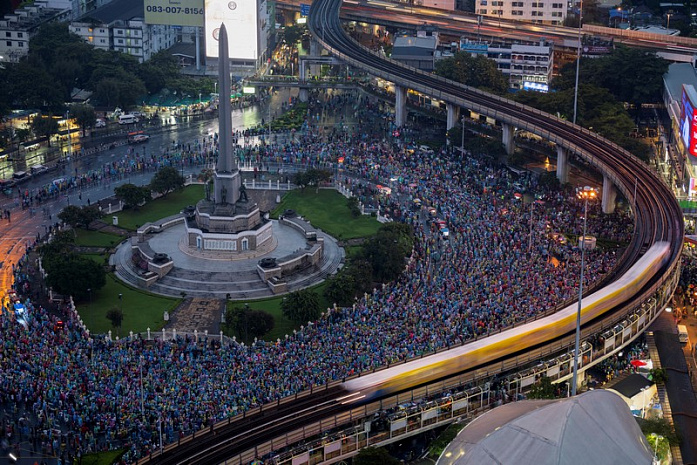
(174, 12)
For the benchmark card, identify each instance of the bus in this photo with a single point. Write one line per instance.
(128, 119)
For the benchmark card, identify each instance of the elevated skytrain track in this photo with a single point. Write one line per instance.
(657, 219)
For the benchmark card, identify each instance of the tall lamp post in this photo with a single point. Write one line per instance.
(585, 193)
(578, 59)
(657, 438)
(462, 143)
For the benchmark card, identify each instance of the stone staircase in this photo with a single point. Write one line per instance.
(662, 394)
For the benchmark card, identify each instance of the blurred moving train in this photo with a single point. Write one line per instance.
(487, 349)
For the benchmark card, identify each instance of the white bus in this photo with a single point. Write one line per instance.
(128, 119)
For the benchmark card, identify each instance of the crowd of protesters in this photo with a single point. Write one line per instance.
(500, 265)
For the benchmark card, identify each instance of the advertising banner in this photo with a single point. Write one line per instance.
(240, 18)
(174, 12)
(688, 119)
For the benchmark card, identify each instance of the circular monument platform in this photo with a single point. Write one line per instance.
(200, 273)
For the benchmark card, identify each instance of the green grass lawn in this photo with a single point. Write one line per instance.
(141, 310)
(91, 238)
(328, 211)
(282, 325)
(100, 259)
(102, 458)
(170, 205)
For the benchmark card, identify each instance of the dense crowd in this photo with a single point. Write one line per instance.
(501, 265)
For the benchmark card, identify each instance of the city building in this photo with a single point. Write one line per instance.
(680, 99)
(418, 52)
(120, 26)
(17, 28)
(536, 11)
(527, 66)
(441, 4)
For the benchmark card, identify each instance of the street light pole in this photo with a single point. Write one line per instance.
(578, 59)
(142, 397)
(584, 193)
(462, 146)
(643, 401)
(655, 447)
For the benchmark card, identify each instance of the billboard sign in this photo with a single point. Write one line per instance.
(304, 9)
(174, 12)
(536, 86)
(688, 119)
(240, 18)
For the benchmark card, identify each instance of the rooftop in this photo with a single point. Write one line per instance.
(124, 10)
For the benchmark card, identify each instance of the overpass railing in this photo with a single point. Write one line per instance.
(446, 401)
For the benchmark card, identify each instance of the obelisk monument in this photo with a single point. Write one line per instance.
(226, 223)
(227, 179)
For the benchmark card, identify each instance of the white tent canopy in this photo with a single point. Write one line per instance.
(593, 428)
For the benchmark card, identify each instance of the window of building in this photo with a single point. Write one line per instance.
(517, 13)
(20, 44)
(9, 43)
(8, 34)
(482, 11)
(20, 35)
(119, 41)
(517, 4)
(483, 3)
(557, 5)
(556, 14)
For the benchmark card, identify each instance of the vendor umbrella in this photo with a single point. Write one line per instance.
(638, 363)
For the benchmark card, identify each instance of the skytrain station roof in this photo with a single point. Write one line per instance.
(595, 427)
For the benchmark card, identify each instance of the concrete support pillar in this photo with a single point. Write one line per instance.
(609, 195)
(508, 142)
(302, 72)
(304, 94)
(453, 115)
(400, 106)
(315, 51)
(562, 165)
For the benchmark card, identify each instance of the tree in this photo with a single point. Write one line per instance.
(353, 206)
(479, 72)
(132, 196)
(659, 426)
(248, 323)
(301, 306)
(387, 250)
(115, 315)
(374, 456)
(543, 390)
(354, 280)
(44, 126)
(79, 217)
(84, 116)
(73, 275)
(166, 180)
(292, 34)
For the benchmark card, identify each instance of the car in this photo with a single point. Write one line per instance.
(138, 139)
(6, 184)
(38, 169)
